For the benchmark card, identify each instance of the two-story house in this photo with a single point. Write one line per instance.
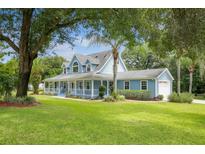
(84, 74)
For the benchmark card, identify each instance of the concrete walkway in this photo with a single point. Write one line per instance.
(198, 101)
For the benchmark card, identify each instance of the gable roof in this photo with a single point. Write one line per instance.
(99, 58)
(142, 74)
(128, 75)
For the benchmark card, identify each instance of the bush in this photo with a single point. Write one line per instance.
(20, 100)
(114, 95)
(102, 91)
(120, 98)
(181, 98)
(160, 97)
(109, 99)
(135, 94)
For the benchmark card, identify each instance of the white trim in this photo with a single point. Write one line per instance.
(104, 64)
(124, 84)
(90, 67)
(156, 89)
(123, 62)
(141, 84)
(78, 66)
(164, 72)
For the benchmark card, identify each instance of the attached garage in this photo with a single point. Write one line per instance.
(164, 84)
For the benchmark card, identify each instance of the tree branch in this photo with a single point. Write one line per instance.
(10, 42)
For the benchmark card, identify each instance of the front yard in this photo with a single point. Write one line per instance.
(61, 121)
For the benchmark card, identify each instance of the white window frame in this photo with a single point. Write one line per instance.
(78, 67)
(129, 84)
(141, 84)
(87, 68)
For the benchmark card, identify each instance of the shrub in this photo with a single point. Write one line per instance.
(109, 99)
(160, 97)
(135, 94)
(114, 95)
(21, 100)
(120, 98)
(181, 98)
(102, 91)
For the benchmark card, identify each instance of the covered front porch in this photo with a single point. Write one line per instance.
(80, 88)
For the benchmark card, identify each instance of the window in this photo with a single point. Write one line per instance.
(88, 68)
(64, 70)
(72, 85)
(127, 85)
(75, 67)
(143, 85)
(87, 85)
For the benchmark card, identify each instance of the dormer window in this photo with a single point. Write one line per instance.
(64, 70)
(88, 68)
(75, 67)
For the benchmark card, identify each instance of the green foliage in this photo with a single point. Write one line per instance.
(181, 98)
(160, 97)
(102, 89)
(114, 95)
(135, 94)
(19, 100)
(8, 77)
(120, 98)
(109, 99)
(141, 57)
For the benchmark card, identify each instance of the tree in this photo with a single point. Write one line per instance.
(141, 57)
(114, 30)
(174, 30)
(36, 74)
(52, 66)
(30, 32)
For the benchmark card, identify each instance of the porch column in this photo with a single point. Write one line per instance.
(59, 87)
(92, 88)
(107, 87)
(101, 82)
(83, 89)
(75, 87)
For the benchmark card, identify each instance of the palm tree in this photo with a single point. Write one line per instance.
(115, 44)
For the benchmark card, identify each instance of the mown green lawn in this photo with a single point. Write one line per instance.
(60, 121)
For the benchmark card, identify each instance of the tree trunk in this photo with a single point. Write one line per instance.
(178, 76)
(191, 70)
(25, 56)
(25, 66)
(115, 58)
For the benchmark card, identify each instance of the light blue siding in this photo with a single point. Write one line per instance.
(134, 84)
(151, 87)
(120, 84)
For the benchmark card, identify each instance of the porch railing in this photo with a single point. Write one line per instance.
(74, 92)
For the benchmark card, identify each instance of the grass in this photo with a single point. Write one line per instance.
(60, 121)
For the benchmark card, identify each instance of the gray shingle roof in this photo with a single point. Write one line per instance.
(96, 58)
(139, 74)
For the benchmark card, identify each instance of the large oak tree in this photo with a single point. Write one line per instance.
(30, 32)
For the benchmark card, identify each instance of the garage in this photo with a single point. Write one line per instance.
(164, 88)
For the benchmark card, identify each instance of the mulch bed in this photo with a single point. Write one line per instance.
(7, 104)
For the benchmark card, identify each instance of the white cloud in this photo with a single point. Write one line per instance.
(64, 50)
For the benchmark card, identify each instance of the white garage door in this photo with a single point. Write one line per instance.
(164, 88)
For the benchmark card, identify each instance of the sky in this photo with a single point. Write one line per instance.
(82, 46)
(65, 50)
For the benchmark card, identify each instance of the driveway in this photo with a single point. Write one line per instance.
(198, 101)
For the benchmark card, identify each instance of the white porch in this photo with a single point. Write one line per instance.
(81, 88)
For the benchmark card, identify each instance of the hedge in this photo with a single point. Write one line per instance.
(136, 94)
(181, 98)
